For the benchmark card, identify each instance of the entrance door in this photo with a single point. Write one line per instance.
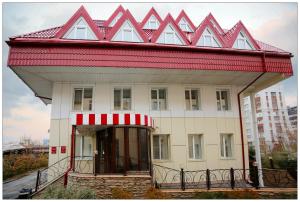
(104, 163)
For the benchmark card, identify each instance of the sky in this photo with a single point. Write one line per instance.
(25, 115)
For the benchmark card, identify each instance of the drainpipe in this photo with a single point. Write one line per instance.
(71, 155)
(240, 111)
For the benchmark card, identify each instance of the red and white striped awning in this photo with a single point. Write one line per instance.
(112, 119)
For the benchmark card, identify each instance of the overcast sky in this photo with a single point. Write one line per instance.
(24, 114)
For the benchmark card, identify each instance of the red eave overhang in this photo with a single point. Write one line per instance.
(58, 52)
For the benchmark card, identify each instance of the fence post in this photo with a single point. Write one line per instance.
(256, 180)
(208, 179)
(37, 181)
(182, 179)
(232, 182)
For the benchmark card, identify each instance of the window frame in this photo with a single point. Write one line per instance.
(81, 151)
(82, 96)
(122, 89)
(190, 99)
(229, 99)
(201, 147)
(224, 147)
(160, 151)
(157, 98)
(153, 19)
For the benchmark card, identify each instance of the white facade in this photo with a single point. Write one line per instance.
(272, 118)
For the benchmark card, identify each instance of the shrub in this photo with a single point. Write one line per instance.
(153, 193)
(59, 192)
(243, 194)
(210, 195)
(118, 193)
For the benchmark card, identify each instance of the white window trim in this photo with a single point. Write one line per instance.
(212, 38)
(81, 157)
(73, 97)
(157, 99)
(244, 38)
(232, 146)
(229, 99)
(190, 100)
(113, 98)
(169, 148)
(201, 148)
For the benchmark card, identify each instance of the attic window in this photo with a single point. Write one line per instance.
(208, 39)
(242, 42)
(153, 23)
(80, 30)
(170, 36)
(127, 33)
(184, 26)
(115, 20)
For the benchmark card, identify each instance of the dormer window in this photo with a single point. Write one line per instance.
(170, 36)
(242, 42)
(184, 26)
(80, 30)
(152, 23)
(115, 20)
(208, 39)
(127, 32)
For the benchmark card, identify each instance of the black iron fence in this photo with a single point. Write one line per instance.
(169, 178)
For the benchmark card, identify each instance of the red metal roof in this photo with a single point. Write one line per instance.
(46, 48)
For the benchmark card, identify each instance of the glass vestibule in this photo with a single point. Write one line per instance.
(122, 149)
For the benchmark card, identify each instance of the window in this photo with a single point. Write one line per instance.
(122, 99)
(83, 99)
(83, 146)
(242, 42)
(208, 39)
(223, 100)
(80, 30)
(195, 146)
(127, 32)
(226, 146)
(170, 36)
(153, 23)
(159, 99)
(161, 147)
(192, 99)
(184, 26)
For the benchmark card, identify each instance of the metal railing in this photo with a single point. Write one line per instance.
(169, 178)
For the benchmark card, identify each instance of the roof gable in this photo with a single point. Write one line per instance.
(113, 19)
(80, 13)
(235, 32)
(127, 20)
(80, 30)
(169, 23)
(150, 14)
(215, 24)
(208, 38)
(207, 24)
(183, 16)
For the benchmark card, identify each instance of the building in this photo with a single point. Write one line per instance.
(293, 117)
(272, 119)
(127, 95)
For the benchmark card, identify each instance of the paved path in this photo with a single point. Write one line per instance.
(11, 189)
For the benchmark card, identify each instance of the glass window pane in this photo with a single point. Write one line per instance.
(224, 100)
(207, 40)
(87, 99)
(162, 93)
(191, 155)
(156, 147)
(164, 146)
(78, 146)
(143, 140)
(162, 99)
(77, 99)
(153, 94)
(187, 100)
(241, 43)
(197, 146)
(126, 99)
(133, 149)
(127, 35)
(195, 103)
(218, 101)
(80, 33)
(169, 38)
(117, 99)
(222, 145)
(152, 25)
(87, 146)
(119, 149)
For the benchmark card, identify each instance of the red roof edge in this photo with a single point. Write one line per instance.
(152, 11)
(127, 16)
(240, 27)
(115, 13)
(81, 12)
(207, 23)
(211, 17)
(169, 19)
(183, 14)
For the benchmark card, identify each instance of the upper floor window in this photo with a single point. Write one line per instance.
(122, 99)
(226, 145)
(152, 23)
(208, 39)
(195, 146)
(192, 99)
(80, 30)
(242, 42)
(170, 36)
(127, 32)
(159, 99)
(184, 25)
(83, 99)
(223, 100)
(161, 147)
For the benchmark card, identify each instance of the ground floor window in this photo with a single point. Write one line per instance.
(195, 146)
(83, 147)
(161, 147)
(226, 145)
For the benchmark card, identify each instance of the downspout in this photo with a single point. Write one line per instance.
(71, 156)
(240, 110)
